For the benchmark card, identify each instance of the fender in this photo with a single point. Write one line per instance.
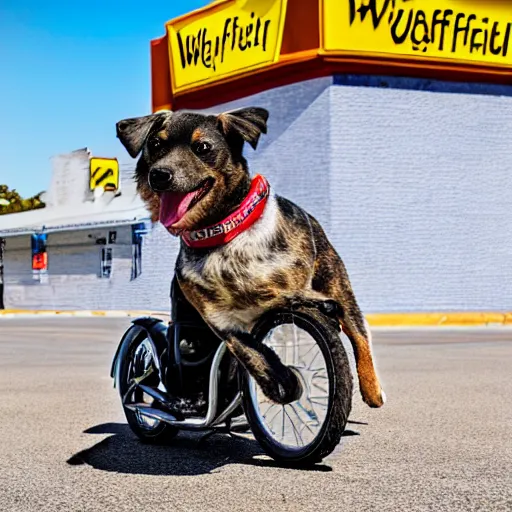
(156, 330)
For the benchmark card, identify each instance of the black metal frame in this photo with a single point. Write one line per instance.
(165, 344)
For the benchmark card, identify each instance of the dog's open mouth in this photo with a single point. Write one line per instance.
(174, 205)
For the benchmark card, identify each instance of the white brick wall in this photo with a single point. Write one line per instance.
(424, 188)
(74, 267)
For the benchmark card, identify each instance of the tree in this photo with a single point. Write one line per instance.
(12, 202)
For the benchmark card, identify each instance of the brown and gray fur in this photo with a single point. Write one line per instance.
(285, 256)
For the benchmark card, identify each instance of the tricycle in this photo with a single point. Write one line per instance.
(180, 376)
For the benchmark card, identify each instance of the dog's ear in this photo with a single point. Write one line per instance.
(247, 123)
(133, 132)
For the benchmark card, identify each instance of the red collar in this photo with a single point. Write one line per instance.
(242, 218)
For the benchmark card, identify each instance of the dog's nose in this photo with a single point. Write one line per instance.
(160, 179)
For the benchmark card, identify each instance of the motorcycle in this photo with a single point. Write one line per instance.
(181, 376)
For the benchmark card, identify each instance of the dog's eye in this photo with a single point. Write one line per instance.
(201, 148)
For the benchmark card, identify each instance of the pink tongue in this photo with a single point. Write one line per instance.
(173, 206)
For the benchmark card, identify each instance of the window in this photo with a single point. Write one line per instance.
(39, 257)
(106, 262)
(138, 230)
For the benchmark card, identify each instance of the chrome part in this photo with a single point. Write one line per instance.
(156, 394)
(156, 359)
(141, 367)
(236, 402)
(213, 393)
(152, 413)
(240, 424)
(192, 423)
(149, 347)
(156, 333)
(158, 414)
(297, 424)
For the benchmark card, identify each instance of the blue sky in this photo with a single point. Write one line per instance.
(69, 70)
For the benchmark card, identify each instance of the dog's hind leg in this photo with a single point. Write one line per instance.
(330, 278)
(360, 338)
(353, 325)
(356, 328)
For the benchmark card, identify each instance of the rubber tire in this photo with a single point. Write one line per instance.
(327, 337)
(162, 433)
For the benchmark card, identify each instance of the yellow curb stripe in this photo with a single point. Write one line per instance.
(439, 319)
(431, 319)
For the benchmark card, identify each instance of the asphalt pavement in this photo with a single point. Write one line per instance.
(442, 442)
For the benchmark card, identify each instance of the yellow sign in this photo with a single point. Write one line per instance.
(224, 39)
(104, 173)
(464, 30)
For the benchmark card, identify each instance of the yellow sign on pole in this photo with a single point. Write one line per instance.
(224, 39)
(463, 30)
(104, 173)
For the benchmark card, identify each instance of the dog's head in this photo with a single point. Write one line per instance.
(191, 172)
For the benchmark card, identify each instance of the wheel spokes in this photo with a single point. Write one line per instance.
(297, 424)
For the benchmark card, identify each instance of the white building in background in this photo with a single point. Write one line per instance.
(410, 179)
(98, 247)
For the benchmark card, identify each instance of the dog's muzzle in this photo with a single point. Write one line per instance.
(160, 179)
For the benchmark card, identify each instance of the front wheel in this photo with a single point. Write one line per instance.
(307, 430)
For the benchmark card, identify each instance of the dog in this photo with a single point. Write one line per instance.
(266, 250)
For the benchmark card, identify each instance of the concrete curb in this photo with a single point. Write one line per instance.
(451, 319)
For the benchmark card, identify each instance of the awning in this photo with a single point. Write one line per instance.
(121, 211)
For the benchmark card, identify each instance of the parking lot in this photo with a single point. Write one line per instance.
(441, 443)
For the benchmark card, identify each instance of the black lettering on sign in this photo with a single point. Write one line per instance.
(204, 49)
(370, 7)
(507, 38)
(104, 176)
(445, 30)
(101, 180)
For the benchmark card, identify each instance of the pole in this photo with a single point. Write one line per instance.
(2, 247)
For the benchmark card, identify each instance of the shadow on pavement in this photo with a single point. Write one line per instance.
(190, 453)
